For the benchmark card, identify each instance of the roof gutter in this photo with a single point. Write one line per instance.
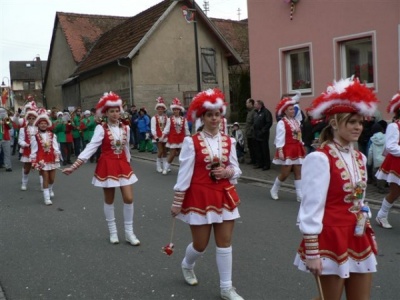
(130, 81)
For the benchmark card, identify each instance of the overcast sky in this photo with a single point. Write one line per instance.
(26, 25)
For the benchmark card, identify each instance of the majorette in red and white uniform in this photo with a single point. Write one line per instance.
(288, 134)
(223, 126)
(158, 122)
(113, 168)
(390, 168)
(333, 187)
(24, 137)
(205, 200)
(44, 146)
(177, 127)
(31, 105)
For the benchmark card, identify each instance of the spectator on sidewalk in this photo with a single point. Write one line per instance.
(143, 123)
(376, 148)
(249, 131)
(262, 124)
(237, 134)
(134, 134)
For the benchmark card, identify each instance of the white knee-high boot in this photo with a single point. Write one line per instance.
(130, 237)
(158, 165)
(275, 189)
(112, 226)
(46, 196)
(24, 180)
(165, 166)
(224, 264)
(188, 263)
(41, 182)
(51, 190)
(297, 184)
(383, 214)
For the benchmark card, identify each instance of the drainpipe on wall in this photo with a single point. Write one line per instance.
(130, 81)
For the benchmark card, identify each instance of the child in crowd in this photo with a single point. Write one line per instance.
(237, 134)
(375, 151)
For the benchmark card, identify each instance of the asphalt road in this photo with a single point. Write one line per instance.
(62, 251)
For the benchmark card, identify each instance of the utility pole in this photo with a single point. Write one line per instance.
(206, 7)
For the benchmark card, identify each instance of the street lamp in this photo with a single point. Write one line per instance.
(196, 43)
(7, 91)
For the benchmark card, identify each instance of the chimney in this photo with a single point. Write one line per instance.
(37, 57)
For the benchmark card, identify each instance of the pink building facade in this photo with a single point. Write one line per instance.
(304, 45)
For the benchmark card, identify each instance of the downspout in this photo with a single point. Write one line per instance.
(130, 81)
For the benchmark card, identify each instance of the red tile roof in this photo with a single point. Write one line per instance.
(236, 33)
(82, 31)
(118, 42)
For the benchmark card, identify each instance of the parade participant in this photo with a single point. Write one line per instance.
(390, 168)
(223, 126)
(45, 154)
(76, 132)
(205, 197)
(113, 169)
(175, 131)
(87, 126)
(158, 123)
(69, 140)
(24, 140)
(338, 245)
(290, 151)
(5, 138)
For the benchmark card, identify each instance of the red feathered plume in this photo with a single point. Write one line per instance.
(394, 104)
(108, 100)
(344, 96)
(160, 103)
(176, 103)
(207, 100)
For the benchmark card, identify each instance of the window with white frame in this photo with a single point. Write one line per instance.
(298, 70)
(357, 59)
(208, 65)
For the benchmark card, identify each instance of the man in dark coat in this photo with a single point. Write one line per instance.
(249, 130)
(262, 125)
